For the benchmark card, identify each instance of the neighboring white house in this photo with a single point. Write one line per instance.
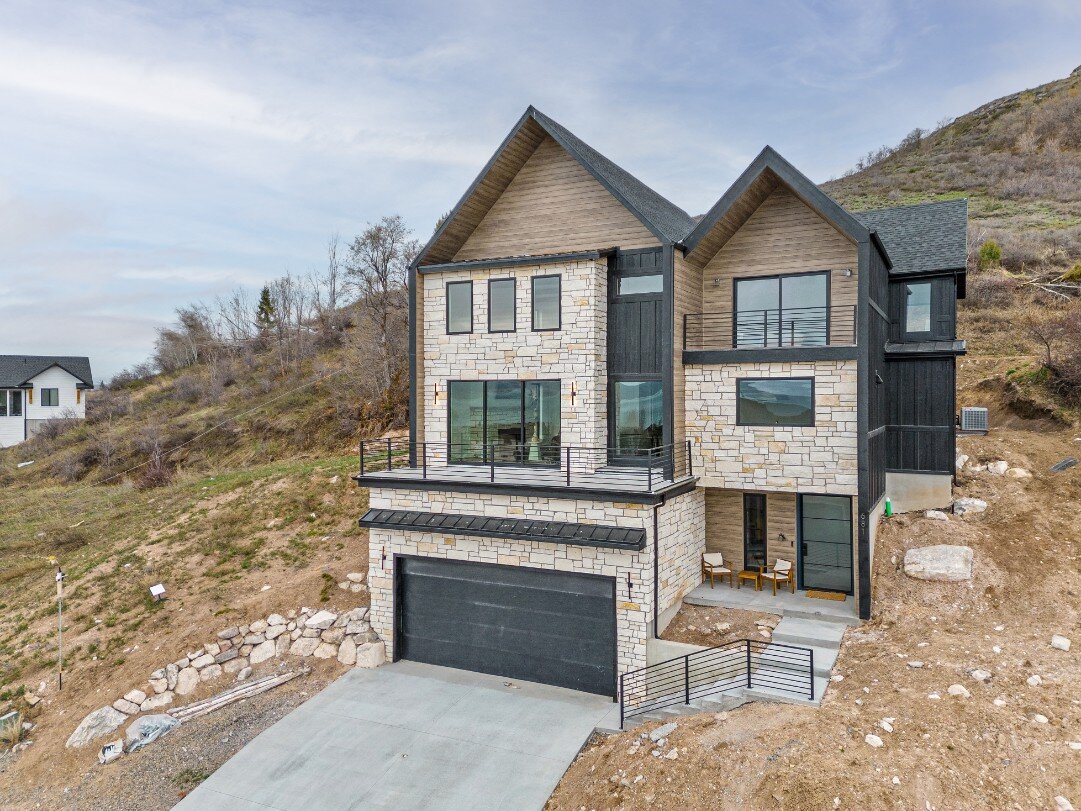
(36, 388)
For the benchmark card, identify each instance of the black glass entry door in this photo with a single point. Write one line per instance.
(825, 533)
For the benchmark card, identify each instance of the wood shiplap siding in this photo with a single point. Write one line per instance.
(687, 298)
(418, 325)
(553, 205)
(724, 525)
(784, 235)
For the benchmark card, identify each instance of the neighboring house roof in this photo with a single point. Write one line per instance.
(17, 371)
(922, 238)
(766, 172)
(667, 221)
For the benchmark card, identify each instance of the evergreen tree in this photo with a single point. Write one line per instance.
(265, 313)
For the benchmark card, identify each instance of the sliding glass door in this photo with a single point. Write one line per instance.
(503, 421)
(773, 311)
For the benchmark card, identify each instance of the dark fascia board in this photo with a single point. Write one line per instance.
(568, 533)
(813, 196)
(695, 357)
(511, 261)
(881, 250)
(82, 384)
(628, 496)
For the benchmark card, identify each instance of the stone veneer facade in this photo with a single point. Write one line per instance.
(818, 459)
(577, 352)
(681, 523)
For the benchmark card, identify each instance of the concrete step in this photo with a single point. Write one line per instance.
(823, 616)
(786, 697)
(809, 633)
(824, 659)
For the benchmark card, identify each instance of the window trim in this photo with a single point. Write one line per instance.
(514, 305)
(533, 302)
(828, 273)
(919, 334)
(446, 296)
(53, 389)
(739, 416)
(484, 381)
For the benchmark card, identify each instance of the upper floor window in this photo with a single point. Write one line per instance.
(503, 421)
(546, 291)
(782, 311)
(50, 397)
(918, 307)
(501, 315)
(636, 285)
(775, 401)
(459, 307)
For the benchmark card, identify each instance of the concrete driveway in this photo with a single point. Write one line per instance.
(411, 736)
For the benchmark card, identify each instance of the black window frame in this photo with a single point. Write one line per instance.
(513, 309)
(920, 335)
(739, 416)
(780, 277)
(484, 460)
(446, 295)
(533, 302)
(56, 397)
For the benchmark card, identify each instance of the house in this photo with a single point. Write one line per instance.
(36, 388)
(603, 388)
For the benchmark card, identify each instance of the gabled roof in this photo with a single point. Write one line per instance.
(766, 172)
(922, 238)
(667, 221)
(17, 371)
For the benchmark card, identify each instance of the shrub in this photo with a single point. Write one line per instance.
(1073, 274)
(992, 288)
(990, 254)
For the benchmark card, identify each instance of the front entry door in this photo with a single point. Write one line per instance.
(754, 531)
(825, 534)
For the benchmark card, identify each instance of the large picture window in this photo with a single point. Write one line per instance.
(11, 403)
(775, 401)
(503, 421)
(546, 315)
(918, 307)
(638, 417)
(459, 307)
(501, 305)
(782, 311)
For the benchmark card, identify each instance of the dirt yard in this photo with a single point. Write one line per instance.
(706, 626)
(1006, 745)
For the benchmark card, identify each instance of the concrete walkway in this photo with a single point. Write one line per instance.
(797, 605)
(411, 736)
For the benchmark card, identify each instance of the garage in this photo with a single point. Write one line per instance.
(537, 625)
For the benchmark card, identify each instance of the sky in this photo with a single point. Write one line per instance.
(155, 154)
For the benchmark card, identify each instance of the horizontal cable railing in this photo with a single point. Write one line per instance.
(768, 329)
(532, 463)
(741, 663)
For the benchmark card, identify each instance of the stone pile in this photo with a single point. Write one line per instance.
(347, 637)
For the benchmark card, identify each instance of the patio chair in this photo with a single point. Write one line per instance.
(781, 573)
(713, 565)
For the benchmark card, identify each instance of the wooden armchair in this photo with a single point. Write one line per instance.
(781, 573)
(713, 566)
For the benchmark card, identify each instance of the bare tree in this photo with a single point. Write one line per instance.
(377, 265)
(328, 295)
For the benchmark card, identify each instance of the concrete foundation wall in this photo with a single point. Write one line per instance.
(909, 492)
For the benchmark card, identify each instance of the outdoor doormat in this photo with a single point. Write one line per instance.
(826, 595)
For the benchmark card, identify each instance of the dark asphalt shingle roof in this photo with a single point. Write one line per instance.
(665, 216)
(922, 238)
(17, 370)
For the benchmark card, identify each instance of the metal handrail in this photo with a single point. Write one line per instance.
(770, 328)
(743, 663)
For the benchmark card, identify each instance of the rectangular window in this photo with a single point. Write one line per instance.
(775, 311)
(775, 401)
(503, 421)
(16, 408)
(546, 314)
(3, 403)
(638, 410)
(633, 285)
(459, 307)
(918, 307)
(501, 315)
(50, 397)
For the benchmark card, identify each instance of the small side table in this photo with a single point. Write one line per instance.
(747, 574)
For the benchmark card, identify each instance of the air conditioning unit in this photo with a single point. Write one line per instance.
(974, 420)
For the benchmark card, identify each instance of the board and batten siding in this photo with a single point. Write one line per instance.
(554, 205)
(784, 235)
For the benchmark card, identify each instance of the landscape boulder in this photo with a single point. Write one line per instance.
(998, 468)
(1059, 642)
(262, 652)
(156, 702)
(187, 680)
(100, 722)
(936, 515)
(125, 706)
(964, 506)
(321, 621)
(1018, 473)
(347, 651)
(371, 654)
(943, 562)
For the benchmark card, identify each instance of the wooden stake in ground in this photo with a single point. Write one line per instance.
(60, 627)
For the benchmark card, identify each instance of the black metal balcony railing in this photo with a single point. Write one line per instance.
(526, 464)
(741, 663)
(765, 329)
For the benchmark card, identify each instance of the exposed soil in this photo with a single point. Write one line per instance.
(944, 753)
(706, 626)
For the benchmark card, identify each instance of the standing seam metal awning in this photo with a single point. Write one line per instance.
(545, 531)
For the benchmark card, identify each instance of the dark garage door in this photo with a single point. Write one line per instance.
(536, 625)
